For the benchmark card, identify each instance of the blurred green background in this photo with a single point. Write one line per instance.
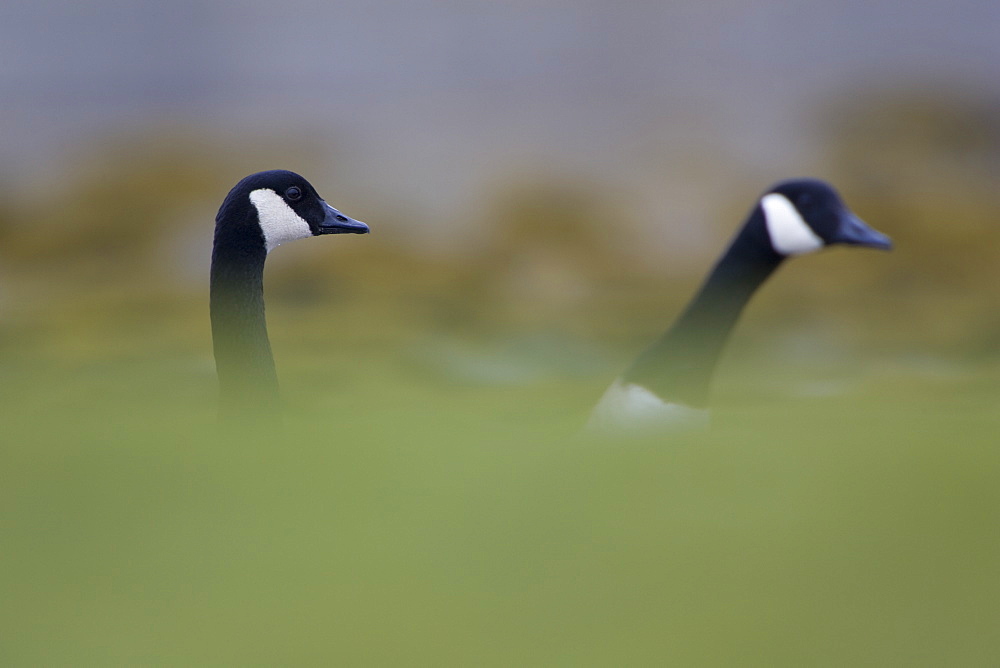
(547, 184)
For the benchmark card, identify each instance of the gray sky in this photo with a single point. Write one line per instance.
(433, 100)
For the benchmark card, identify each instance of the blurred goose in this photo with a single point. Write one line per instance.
(260, 213)
(668, 385)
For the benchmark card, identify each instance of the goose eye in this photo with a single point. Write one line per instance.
(293, 193)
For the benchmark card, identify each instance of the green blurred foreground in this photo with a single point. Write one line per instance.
(399, 522)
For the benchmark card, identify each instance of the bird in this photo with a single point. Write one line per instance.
(667, 387)
(260, 213)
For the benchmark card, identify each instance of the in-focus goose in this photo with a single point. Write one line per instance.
(260, 213)
(668, 385)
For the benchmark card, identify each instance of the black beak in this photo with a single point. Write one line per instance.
(853, 231)
(337, 223)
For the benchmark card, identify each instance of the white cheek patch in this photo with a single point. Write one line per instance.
(631, 408)
(790, 235)
(278, 221)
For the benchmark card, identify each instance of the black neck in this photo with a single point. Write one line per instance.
(248, 385)
(679, 366)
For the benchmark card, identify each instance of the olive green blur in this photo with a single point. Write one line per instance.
(429, 502)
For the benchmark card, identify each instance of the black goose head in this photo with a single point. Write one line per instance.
(274, 207)
(805, 215)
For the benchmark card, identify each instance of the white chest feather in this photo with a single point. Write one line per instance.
(790, 235)
(278, 221)
(629, 408)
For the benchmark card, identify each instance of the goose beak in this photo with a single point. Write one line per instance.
(337, 223)
(855, 232)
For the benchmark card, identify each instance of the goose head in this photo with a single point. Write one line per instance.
(805, 215)
(270, 208)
